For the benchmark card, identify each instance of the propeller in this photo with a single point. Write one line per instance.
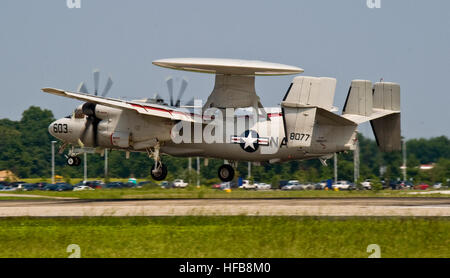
(83, 89)
(88, 108)
(183, 86)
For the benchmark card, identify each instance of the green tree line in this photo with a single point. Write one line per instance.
(25, 149)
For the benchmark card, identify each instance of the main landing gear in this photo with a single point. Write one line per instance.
(159, 170)
(226, 173)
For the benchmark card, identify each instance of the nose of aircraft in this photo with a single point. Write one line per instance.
(50, 128)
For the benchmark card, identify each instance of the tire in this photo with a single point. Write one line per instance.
(71, 161)
(226, 173)
(77, 161)
(161, 174)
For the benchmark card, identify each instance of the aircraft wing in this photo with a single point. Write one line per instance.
(149, 109)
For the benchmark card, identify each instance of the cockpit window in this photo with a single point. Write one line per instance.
(68, 117)
(78, 114)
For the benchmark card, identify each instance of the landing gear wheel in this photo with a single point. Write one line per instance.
(159, 173)
(77, 161)
(73, 161)
(226, 173)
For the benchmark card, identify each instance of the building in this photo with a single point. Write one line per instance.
(8, 175)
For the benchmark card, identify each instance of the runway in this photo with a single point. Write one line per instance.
(251, 207)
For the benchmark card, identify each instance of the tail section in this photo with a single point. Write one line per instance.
(380, 105)
(308, 104)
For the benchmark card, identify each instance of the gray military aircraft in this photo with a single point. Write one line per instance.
(232, 124)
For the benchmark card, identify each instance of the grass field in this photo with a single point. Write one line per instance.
(204, 192)
(229, 236)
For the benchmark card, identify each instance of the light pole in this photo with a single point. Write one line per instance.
(404, 158)
(53, 161)
(356, 162)
(335, 168)
(198, 171)
(106, 164)
(249, 169)
(85, 165)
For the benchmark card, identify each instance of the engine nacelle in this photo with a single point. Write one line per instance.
(120, 139)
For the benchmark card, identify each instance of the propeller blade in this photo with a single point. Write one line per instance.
(183, 87)
(108, 86)
(82, 88)
(95, 123)
(169, 82)
(96, 81)
(86, 127)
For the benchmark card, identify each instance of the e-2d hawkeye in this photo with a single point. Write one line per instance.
(232, 124)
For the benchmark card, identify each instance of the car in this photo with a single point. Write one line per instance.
(63, 187)
(50, 187)
(114, 184)
(437, 185)
(82, 188)
(247, 185)
(165, 184)
(178, 183)
(225, 185)
(146, 184)
(421, 186)
(367, 184)
(263, 186)
(320, 185)
(342, 185)
(4, 183)
(29, 186)
(17, 184)
(7, 188)
(307, 186)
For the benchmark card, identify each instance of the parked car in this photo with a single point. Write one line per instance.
(82, 188)
(178, 183)
(17, 184)
(115, 184)
(422, 186)
(437, 185)
(50, 187)
(320, 185)
(367, 184)
(282, 183)
(307, 186)
(225, 185)
(246, 185)
(7, 188)
(341, 185)
(64, 186)
(29, 186)
(263, 186)
(165, 184)
(147, 184)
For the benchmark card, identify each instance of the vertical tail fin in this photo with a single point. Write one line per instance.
(380, 105)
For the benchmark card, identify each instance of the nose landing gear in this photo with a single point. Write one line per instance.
(73, 161)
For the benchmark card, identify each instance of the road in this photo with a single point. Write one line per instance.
(420, 206)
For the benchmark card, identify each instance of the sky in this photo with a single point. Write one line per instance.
(47, 44)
